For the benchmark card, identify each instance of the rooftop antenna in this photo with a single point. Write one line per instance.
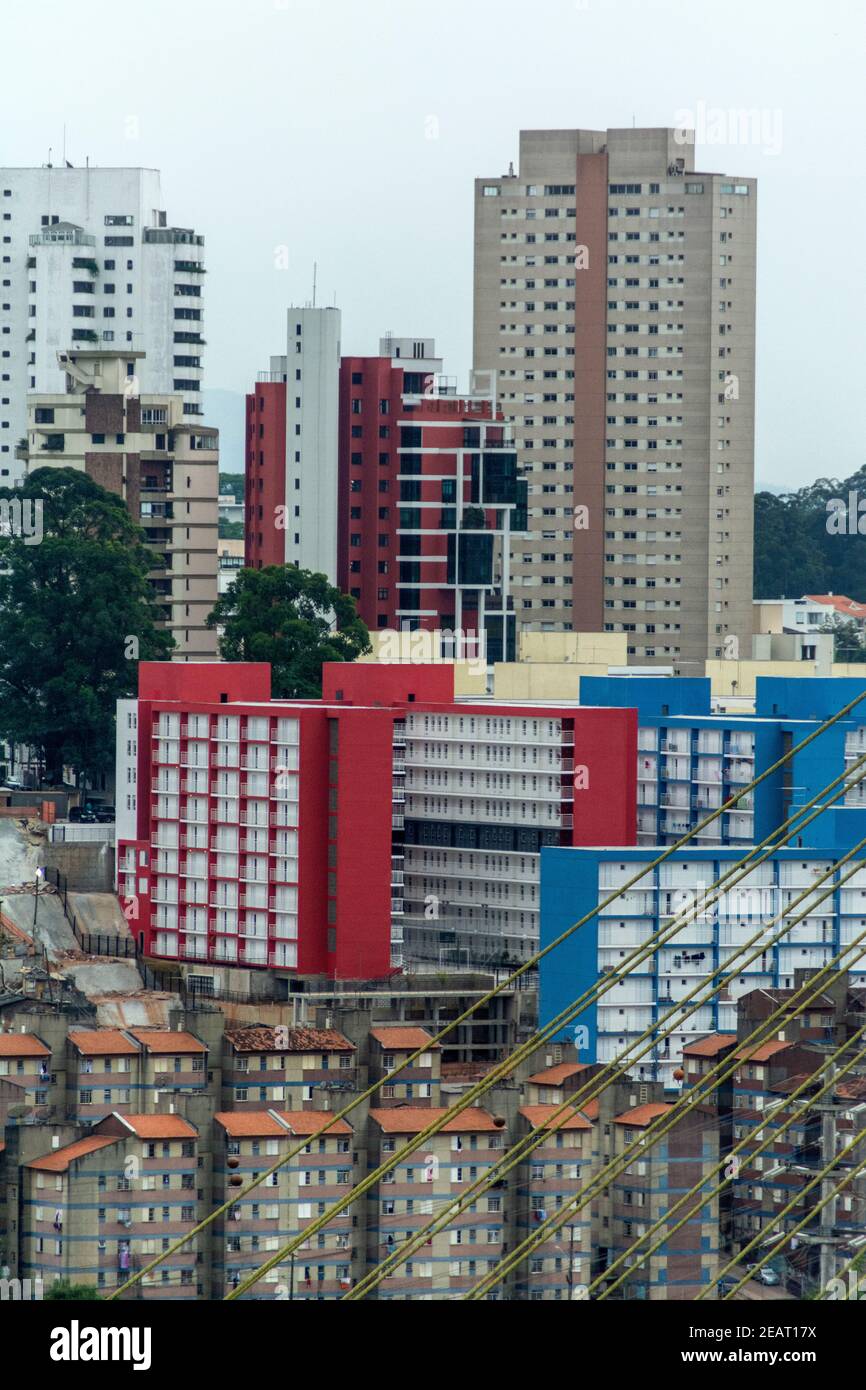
(315, 277)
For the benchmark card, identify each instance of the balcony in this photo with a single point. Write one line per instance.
(62, 236)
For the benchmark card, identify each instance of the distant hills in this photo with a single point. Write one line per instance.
(797, 553)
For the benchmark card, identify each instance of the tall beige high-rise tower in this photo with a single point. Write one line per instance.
(615, 298)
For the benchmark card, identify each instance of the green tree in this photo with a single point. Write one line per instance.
(76, 614)
(233, 483)
(797, 549)
(849, 645)
(293, 619)
(231, 530)
(64, 1291)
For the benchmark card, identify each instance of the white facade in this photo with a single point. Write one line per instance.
(87, 260)
(126, 776)
(485, 772)
(311, 370)
(716, 940)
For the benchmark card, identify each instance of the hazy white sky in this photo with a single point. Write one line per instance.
(307, 124)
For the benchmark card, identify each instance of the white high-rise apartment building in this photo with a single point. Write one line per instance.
(88, 261)
(311, 372)
(615, 297)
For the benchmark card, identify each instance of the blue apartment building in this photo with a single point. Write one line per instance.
(575, 881)
(691, 761)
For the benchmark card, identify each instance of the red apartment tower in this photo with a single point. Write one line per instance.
(428, 496)
(311, 838)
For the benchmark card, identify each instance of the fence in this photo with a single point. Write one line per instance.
(81, 834)
(91, 943)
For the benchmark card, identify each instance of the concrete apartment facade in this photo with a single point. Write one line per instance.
(93, 1195)
(88, 260)
(621, 323)
(166, 469)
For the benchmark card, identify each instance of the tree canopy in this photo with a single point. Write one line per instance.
(293, 619)
(798, 551)
(76, 614)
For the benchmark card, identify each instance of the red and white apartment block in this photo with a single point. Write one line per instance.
(337, 837)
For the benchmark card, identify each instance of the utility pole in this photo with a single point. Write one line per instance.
(823, 1234)
(828, 1153)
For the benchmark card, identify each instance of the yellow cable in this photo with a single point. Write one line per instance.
(593, 1089)
(658, 1128)
(492, 994)
(786, 1211)
(697, 1190)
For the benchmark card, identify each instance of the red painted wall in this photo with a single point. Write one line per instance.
(204, 681)
(398, 684)
(590, 390)
(605, 743)
(363, 845)
(265, 469)
(369, 463)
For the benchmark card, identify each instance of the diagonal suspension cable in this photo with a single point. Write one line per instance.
(500, 988)
(596, 1086)
(504, 1068)
(664, 1123)
(628, 1256)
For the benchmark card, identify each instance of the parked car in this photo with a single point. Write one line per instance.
(106, 815)
(79, 815)
(765, 1275)
(14, 784)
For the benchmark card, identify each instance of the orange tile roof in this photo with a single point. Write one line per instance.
(642, 1115)
(303, 1122)
(763, 1053)
(411, 1120)
(250, 1124)
(711, 1046)
(591, 1109)
(60, 1159)
(160, 1126)
(261, 1038)
(539, 1115)
(554, 1076)
(22, 1045)
(283, 1124)
(103, 1042)
(403, 1039)
(165, 1043)
(847, 607)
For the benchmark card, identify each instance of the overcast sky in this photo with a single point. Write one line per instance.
(349, 132)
